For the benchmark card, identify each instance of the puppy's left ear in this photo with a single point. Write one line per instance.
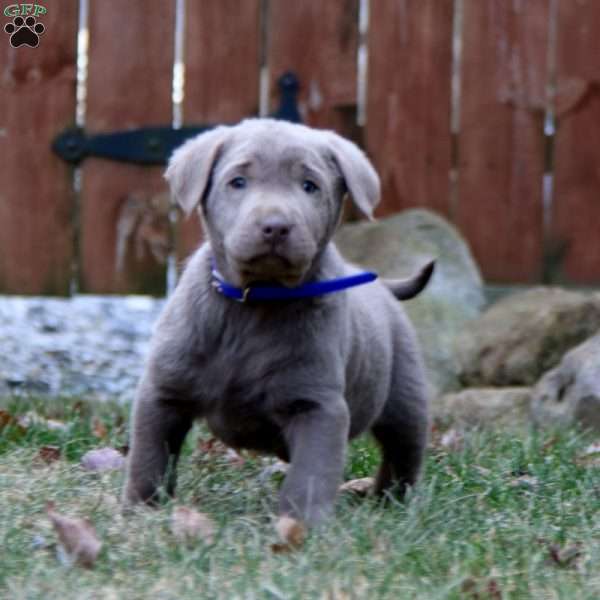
(361, 179)
(190, 167)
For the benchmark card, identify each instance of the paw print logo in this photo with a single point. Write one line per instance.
(24, 32)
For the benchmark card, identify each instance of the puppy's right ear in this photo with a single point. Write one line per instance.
(190, 167)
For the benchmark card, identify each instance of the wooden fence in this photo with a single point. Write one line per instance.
(487, 111)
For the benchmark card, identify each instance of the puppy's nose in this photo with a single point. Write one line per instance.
(275, 229)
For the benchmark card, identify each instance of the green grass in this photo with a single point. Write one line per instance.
(484, 523)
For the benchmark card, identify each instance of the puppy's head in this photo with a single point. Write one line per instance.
(270, 195)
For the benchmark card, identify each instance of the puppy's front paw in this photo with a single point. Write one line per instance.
(291, 532)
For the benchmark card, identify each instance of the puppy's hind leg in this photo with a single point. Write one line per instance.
(157, 434)
(402, 432)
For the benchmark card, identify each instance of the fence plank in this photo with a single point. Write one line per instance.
(408, 102)
(318, 41)
(501, 144)
(221, 74)
(37, 100)
(124, 229)
(575, 226)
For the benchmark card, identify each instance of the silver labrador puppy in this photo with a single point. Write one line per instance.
(297, 375)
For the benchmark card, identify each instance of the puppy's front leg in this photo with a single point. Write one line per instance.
(317, 437)
(157, 433)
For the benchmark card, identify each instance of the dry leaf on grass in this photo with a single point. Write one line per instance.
(213, 447)
(99, 429)
(47, 455)
(102, 459)
(277, 468)
(291, 532)
(77, 537)
(189, 525)
(234, 457)
(565, 557)
(452, 440)
(592, 449)
(6, 420)
(481, 589)
(590, 456)
(525, 481)
(33, 419)
(360, 487)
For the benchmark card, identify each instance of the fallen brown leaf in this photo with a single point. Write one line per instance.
(189, 525)
(77, 537)
(452, 440)
(47, 455)
(234, 457)
(548, 445)
(525, 481)
(565, 557)
(493, 589)
(481, 589)
(291, 532)
(212, 446)
(590, 457)
(34, 419)
(277, 468)
(6, 419)
(360, 487)
(592, 449)
(99, 429)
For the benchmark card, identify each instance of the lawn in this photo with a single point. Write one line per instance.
(505, 514)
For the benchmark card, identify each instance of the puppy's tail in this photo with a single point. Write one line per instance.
(405, 289)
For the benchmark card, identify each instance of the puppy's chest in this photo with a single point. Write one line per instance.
(248, 377)
(241, 391)
(244, 354)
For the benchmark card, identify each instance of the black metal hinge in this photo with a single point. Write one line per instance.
(154, 145)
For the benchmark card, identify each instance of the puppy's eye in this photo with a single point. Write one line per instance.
(238, 183)
(310, 187)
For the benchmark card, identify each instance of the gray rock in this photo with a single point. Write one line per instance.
(91, 346)
(484, 407)
(570, 393)
(397, 246)
(516, 340)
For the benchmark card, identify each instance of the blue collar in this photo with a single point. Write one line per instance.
(306, 290)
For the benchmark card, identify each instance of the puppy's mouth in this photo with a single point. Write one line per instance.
(269, 268)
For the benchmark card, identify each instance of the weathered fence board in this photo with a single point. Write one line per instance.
(221, 74)
(124, 208)
(318, 41)
(576, 205)
(37, 99)
(408, 105)
(501, 143)
(499, 152)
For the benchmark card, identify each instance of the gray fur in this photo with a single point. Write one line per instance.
(298, 378)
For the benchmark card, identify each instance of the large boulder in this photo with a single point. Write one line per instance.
(524, 335)
(484, 407)
(570, 393)
(398, 246)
